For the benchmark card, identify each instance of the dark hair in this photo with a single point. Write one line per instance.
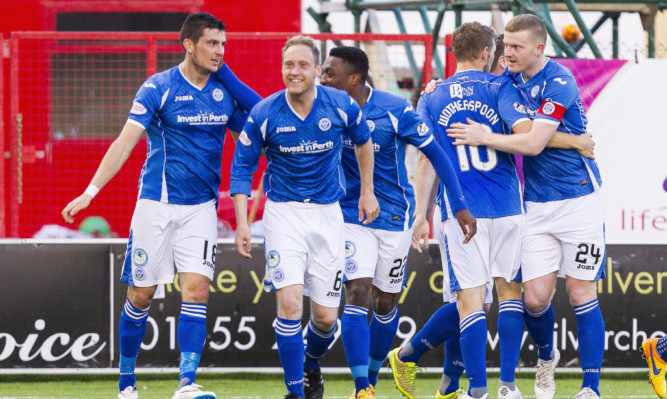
(301, 40)
(354, 57)
(194, 25)
(528, 22)
(470, 39)
(500, 51)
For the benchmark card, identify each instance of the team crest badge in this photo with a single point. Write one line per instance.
(325, 124)
(139, 274)
(548, 108)
(350, 249)
(218, 95)
(278, 275)
(273, 259)
(244, 139)
(351, 266)
(422, 129)
(139, 257)
(371, 125)
(534, 91)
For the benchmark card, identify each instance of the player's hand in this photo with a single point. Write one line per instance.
(472, 133)
(242, 240)
(430, 86)
(586, 145)
(77, 204)
(420, 231)
(369, 208)
(468, 224)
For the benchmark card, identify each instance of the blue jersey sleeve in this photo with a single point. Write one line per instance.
(241, 92)
(559, 94)
(146, 103)
(246, 157)
(510, 108)
(439, 159)
(356, 127)
(237, 120)
(412, 129)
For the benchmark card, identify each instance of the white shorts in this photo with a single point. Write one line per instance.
(565, 236)
(305, 244)
(439, 234)
(378, 254)
(163, 235)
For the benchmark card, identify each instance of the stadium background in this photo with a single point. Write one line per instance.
(66, 95)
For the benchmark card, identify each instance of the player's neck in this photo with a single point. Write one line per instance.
(360, 93)
(534, 69)
(194, 75)
(476, 65)
(302, 103)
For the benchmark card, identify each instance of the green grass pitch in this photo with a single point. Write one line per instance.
(250, 385)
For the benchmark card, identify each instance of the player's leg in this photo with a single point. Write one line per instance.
(505, 239)
(323, 283)
(194, 251)
(541, 257)
(361, 253)
(654, 350)
(388, 282)
(584, 259)
(383, 327)
(286, 254)
(148, 262)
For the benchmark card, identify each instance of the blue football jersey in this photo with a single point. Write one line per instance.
(393, 122)
(186, 131)
(488, 177)
(303, 156)
(552, 96)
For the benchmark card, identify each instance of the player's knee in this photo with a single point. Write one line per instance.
(325, 320)
(536, 302)
(140, 297)
(290, 307)
(357, 293)
(581, 292)
(383, 302)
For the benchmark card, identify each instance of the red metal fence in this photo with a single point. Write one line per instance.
(71, 94)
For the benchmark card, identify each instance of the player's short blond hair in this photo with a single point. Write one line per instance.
(528, 22)
(307, 41)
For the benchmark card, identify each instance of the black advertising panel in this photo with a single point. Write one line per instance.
(56, 310)
(55, 305)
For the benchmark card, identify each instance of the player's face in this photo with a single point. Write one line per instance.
(522, 50)
(300, 69)
(208, 52)
(336, 74)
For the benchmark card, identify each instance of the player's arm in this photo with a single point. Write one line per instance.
(242, 93)
(582, 143)
(426, 178)
(369, 208)
(113, 160)
(244, 165)
(357, 130)
(443, 167)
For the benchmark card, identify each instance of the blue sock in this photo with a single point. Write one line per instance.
(191, 335)
(383, 331)
(131, 331)
(590, 333)
(540, 326)
(510, 334)
(441, 326)
(356, 335)
(661, 348)
(473, 348)
(453, 367)
(317, 343)
(290, 349)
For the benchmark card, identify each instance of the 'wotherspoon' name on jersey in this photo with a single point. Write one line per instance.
(393, 122)
(552, 96)
(488, 177)
(303, 155)
(186, 132)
